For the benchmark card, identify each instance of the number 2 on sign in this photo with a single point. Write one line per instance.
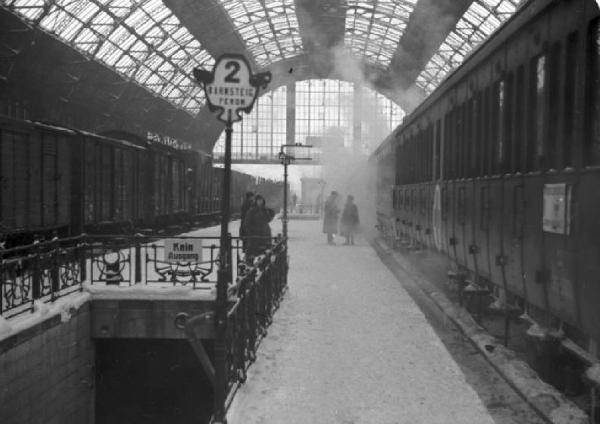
(231, 77)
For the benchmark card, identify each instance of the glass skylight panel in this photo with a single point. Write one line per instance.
(140, 39)
(480, 20)
(30, 9)
(374, 28)
(268, 27)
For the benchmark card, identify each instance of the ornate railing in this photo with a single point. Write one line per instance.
(49, 270)
(42, 271)
(140, 259)
(258, 294)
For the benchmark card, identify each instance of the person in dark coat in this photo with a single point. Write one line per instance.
(330, 216)
(246, 205)
(349, 221)
(257, 230)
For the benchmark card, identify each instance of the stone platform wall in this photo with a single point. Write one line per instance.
(47, 373)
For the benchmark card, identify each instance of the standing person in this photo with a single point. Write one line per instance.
(330, 216)
(319, 203)
(257, 229)
(349, 221)
(246, 205)
(294, 201)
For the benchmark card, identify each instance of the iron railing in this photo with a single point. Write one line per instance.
(49, 270)
(42, 271)
(258, 294)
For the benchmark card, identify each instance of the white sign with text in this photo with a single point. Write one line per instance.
(182, 251)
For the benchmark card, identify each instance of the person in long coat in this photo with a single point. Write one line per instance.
(257, 230)
(330, 216)
(246, 205)
(349, 221)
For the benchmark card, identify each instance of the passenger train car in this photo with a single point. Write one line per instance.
(56, 181)
(499, 168)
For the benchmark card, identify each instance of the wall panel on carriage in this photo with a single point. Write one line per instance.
(117, 175)
(7, 215)
(90, 173)
(35, 180)
(63, 182)
(106, 171)
(21, 172)
(49, 180)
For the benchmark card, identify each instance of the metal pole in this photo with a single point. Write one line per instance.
(222, 283)
(285, 189)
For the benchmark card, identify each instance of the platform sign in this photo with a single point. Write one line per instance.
(556, 217)
(231, 88)
(183, 251)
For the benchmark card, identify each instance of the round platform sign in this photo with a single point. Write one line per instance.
(231, 88)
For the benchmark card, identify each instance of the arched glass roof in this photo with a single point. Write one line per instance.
(374, 28)
(141, 39)
(145, 42)
(269, 28)
(480, 20)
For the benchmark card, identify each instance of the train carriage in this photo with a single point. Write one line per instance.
(110, 185)
(35, 180)
(499, 167)
(56, 181)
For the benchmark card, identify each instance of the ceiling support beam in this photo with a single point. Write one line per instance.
(322, 26)
(210, 24)
(428, 26)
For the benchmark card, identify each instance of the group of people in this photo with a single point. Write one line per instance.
(255, 231)
(349, 221)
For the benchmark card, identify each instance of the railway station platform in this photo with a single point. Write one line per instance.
(349, 345)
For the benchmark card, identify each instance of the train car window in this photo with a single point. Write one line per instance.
(592, 156)
(500, 127)
(549, 159)
(485, 139)
(398, 165)
(537, 85)
(446, 147)
(464, 140)
(463, 137)
(477, 136)
(566, 158)
(461, 140)
(495, 127)
(430, 161)
(471, 163)
(518, 139)
(437, 170)
(454, 122)
(540, 110)
(507, 154)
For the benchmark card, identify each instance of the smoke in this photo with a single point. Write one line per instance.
(348, 172)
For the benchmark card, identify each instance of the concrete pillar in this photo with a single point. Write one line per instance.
(357, 124)
(290, 126)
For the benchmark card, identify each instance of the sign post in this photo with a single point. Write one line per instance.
(230, 89)
(287, 154)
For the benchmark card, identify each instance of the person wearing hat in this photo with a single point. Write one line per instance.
(246, 205)
(330, 216)
(349, 221)
(257, 229)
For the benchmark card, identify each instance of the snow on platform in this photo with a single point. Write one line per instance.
(349, 345)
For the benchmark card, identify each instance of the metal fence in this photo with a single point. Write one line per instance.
(50, 270)
(259, 293)
(42, 271)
